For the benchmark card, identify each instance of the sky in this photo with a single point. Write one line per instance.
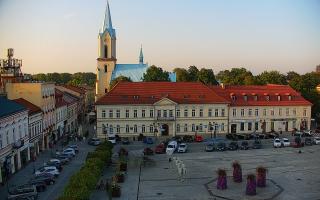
(61, 35)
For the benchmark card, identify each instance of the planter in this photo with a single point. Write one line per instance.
(237, 172)
(222, 180)
(115, 191)
(120, 178)
(261, 176)
(123, 166)
(251, 185)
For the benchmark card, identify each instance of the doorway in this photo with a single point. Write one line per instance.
(287, 127)
(164, 130)
(233, 128)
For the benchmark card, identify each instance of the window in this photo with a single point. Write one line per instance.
(201, 113)
(7, 137)
(127, 114)
(110, 113)
(0, 141)
(178, 127)
(256, 112)
(165, 113)
(135, 128)
(268, 98)
(200, 127)
(118, 128)
(151, 113)
(185, 127)
(127, 128)
(111, 129)
(256, 126)
(158, 113)
(272, 126)
(294, 111)
(233, 98)
(170, 113)
(103, 114)
(178, 113)
(242, 112)
(222, 127)
(143, 129)
(222, 112)
(151, 128)
(245, 98)
(185, 112)
(14, 135)
(105, 68)
(193, 127)
(118, 114)
(135, 113)
(287, 111)
(249, 126)
(234, 112)
(264, 112)
(193, 113)
(304, 112)
(143, 113)
(216, 112)
(272, 112)
(250, 112)
(293, 124)
(210, 112)
(241, 126)
(289, 97)
(280, 111)
(255, 98)
(279, 98)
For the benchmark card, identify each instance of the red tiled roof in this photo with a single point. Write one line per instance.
(261, 91)
(151, 92)
(33, 109)
(80, 90)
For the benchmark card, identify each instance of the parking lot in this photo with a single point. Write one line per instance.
(291, 174)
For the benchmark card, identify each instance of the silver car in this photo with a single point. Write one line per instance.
(182, 148)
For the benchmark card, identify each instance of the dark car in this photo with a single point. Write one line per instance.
(308, 141)
(118, 138)
(210, 147)
(257, 144)
(149, 140)
(231, 136)
(125, 141)
(49, 179)
(240, 136)
(233, 146)
(221, 146)
(177, 138)
(40, 185)
(244, 145)
(147, 151)
(160, 149)
(188, 138)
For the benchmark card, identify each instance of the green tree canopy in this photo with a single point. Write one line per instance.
(155, 74)
(237, 76)
(207, 77)
(182, 74)
(119, 79)
(193, 73)
(272, 77)
(291, 75)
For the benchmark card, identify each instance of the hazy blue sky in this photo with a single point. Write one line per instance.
(61, 35)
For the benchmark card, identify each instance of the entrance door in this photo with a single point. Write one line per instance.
(165, 130)
(233, 128)
(287, 126)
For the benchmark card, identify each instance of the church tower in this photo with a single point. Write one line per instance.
(106, 61)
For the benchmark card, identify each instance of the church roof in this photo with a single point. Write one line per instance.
(107, 23)
(132, 71)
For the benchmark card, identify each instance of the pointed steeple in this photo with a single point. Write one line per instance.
(141, 56)
(107, 23)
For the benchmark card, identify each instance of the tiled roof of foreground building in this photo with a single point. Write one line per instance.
(261, 95)
(151, 92)
(33, 109)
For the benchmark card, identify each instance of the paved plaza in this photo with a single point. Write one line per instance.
(291, 175)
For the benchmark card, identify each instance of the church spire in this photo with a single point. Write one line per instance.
(107, 23)
(141, 56)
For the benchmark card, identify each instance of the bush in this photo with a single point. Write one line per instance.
(84, 181)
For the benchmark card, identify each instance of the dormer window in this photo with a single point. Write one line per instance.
(279, 98)
(233, 97)
(267, 97)
(290, 97)
(255, 98)
(245, 98)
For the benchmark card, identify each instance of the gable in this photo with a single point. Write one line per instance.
(165, 102)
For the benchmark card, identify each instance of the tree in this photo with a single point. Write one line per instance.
(119, 79)
(291, 75)
(237, 76)
(39, 77)
(182, 74)
(193, 73)
(207, 77)
(272, 77)
(155, 74)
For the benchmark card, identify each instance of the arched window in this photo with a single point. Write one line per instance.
(105, 51)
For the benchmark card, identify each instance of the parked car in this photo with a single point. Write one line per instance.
(172, 146)
(256, 144)
(277, 143)
(297, 143)
(48, 169)
(74, 147)
(22, 192)
(233, 146)
(40, 184)
(69, 151)
(316, 140)
(307, 133)
(187, 138)
(149, 140)
(148, 151)
(240, 136)
(94, 141)
(285, 142)
(244, 145)
(183, 147)
(210, 147)
(112, 139)
(49, 179)
(160, 148)
(64, 159)
(231, 136)
(56, 164)
(221, 146)
(177, 138)
(125, 141)
(198, 138)
(308, 141)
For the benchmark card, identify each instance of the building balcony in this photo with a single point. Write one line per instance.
(166, 118)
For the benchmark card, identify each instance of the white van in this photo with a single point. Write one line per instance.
(172, 146)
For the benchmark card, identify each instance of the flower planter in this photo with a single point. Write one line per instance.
(123, 166)
(237, 172)
(251, 185)
(115, 191)
(222, 180)
(261, 176)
